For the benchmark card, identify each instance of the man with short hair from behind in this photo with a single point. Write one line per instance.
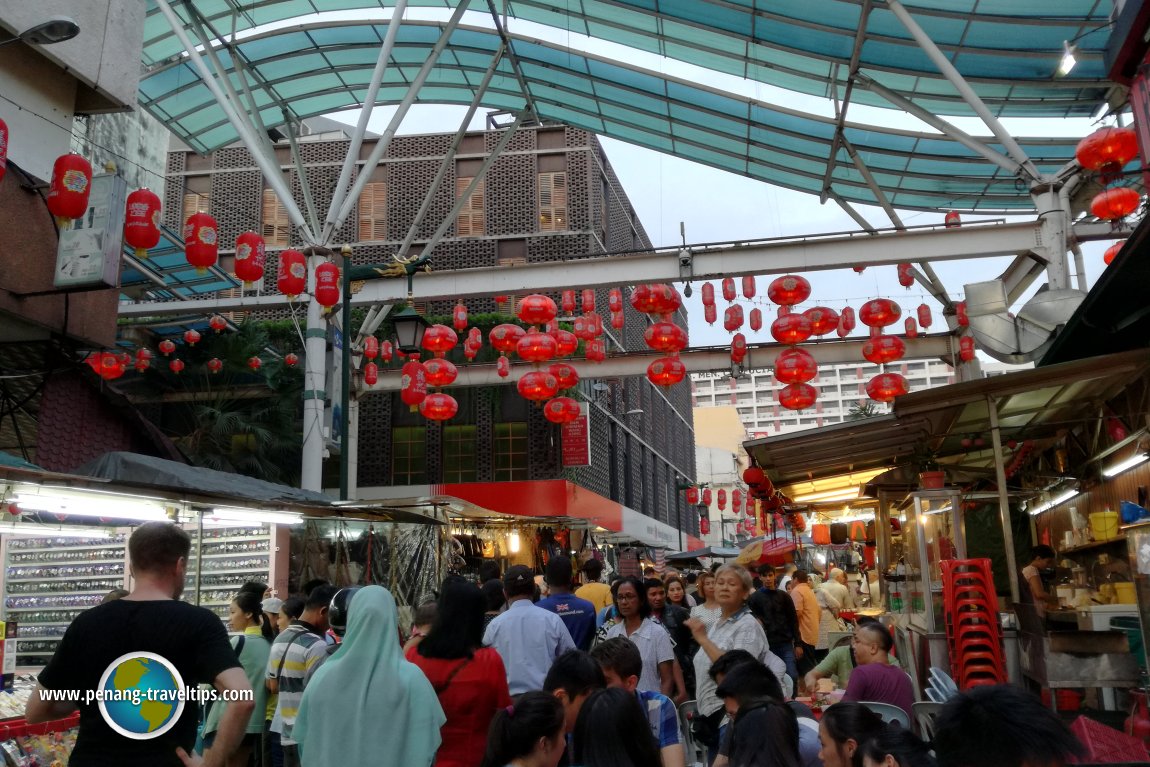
(874, 678)
(578, 615)
(594, 590)
(150, 619)
(526, 636)
(572, 678)
(622, 667)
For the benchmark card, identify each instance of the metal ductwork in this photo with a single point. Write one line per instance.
(1022, 338)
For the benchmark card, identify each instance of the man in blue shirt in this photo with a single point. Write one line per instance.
(578, 614)
(527, 638)
(622, 666)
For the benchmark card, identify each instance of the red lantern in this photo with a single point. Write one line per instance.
(733, 318)
(886, 386)
(588, 300)
(706, 496)
(911, 327)
(615, 300)
(666, 371)
(565, 343)
(440, 372)
(905, 275)
(291, 280)
(924, 318)
(201, 241)
(537, 309)
(859, 269)
(666, 337)
(710, 314)
(191, 337)
(385, 351)
(657, 299)
(883, 349)
(567, 301)
(218, 323)
(413, 384)
(879, 312)
(536, 347)
(144, 355)
(167, 347)
(960, 314)
(141, 217)
(798, 396)
(438, 407)
(722, 499)
(459, 317)
(736, 500)
(215, 365)
(565, 375)
(1116, 430)
(327, 284)
(617, 320)
(371, 347)
(499, 301)
(107, 365)
(176, 365)
(561, 410)
(439, 339)
(255, 363)
(596, 324)
(791, 329)
(789, 290)
(756, 319)
(1107, 150)
(692, 496)
(3, 148)
(952, 220)
(754, 475)
(505, 337)
(251, 255)
(584, 327)
(729, 289)
(537, 386)
(738, 348)
(141, 366)
(823, 320)
(795, 366)
(470, 350)
(966, 349)
(291, 359)
(708, 294)
(704, 526)
(749, 286)
(1112, 252)
(1115, 203)
(71, 185)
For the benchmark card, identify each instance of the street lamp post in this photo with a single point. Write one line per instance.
(680, 487)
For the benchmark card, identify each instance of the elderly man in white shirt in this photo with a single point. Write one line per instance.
(527, 638)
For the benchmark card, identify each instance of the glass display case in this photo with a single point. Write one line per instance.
(932, 532)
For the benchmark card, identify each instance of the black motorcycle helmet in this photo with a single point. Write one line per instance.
(337, 611)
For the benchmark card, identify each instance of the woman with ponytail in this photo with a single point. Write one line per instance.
(251, 638)
(528, 733)
(895, 746)
(843, 730)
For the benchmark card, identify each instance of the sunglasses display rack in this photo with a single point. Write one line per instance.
(49, 580)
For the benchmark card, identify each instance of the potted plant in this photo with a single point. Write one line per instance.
(930, 474)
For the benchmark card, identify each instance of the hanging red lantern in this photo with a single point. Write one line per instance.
(879, 312)
(859, 269)
(327, 284)
(537, 386)
(291, 359)
(952, 220)
(657, 299)
(459, 317)
(795, 366)
(440, 372)
(1115, 203)
(215, 365)
(595, 350)
(385, 351)
(749, 286)
(666, 337)
(536, 347)
(3, 148)
(615, 300)
(911, 327)
(413, 384)
(884, 387)
(617, 320)
(503, 367)
(499, 301)
(733, 318)
(588, 300)
(704, 526)
(754, 475)
(439, 340)
(1116, 430)
(905, 275)
(1112, 252)
(666, 371)
(791, 329)
(71, 185)
(706, 496)
(251, 255)
(371, 347)
(438, 407)
(708, 294)
(960, 315)
(291, 279)
(738, 348)
(789, 290)
(924, 318)
(470, 350)
(255, 363)
(1107, 150)
(822, 319)
(141, 366)
(201, 241)
(596, 324)
(218, 323)
(729, 289)
(736, 500)
(167, 347)
(710, 314)
(722, 499)
(536, 309)
(144, 355)
(505, 337)
(798, 396)
(584, 327)
(966, 349)
(565, 375)
(176, 365)
(756, 319)
(141, 218)
(692, 496)
(191, 337)
(107, 365)
(565, 343)
(561, 410)
(567, 301)
(883, 349)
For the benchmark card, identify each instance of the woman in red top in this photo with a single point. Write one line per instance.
(469, 678)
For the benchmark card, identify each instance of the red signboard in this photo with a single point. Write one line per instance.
(577, 439)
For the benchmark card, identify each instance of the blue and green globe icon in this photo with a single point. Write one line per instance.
(141, 695)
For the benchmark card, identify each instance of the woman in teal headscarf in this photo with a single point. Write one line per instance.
(366, 700)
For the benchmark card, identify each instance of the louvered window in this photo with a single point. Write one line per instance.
(553, 201)
(193, 203)
(470, 223)
(373, 212)
(276, 228)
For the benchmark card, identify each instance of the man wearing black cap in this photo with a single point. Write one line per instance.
(527, 637)
(578, 614)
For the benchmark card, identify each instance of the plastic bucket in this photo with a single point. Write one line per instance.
(1104, 525)
(1068, 700)
(1125, 593)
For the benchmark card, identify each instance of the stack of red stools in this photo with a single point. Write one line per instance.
(972, 630)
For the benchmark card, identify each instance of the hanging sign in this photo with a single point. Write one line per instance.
(89, 252)
(577, 439)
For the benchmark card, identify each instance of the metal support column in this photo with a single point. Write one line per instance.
(315, 370)
(1003, 499)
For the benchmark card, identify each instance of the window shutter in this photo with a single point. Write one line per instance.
(276, 228)
(373, 212)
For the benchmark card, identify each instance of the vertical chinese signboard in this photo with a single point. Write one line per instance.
(576, 440)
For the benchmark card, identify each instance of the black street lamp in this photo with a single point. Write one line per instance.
(409, 329)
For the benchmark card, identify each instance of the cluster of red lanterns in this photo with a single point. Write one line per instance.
(794, 366)
(1107, 151)
(108, 365)
(660, 302)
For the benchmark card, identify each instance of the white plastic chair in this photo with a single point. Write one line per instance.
(696, 754)
(888, 712)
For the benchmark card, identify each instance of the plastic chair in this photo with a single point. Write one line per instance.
(888, 712)
(694, 752)
(924, 714)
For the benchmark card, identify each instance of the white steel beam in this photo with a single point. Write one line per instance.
(760, 357)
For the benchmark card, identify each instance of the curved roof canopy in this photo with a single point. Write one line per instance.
(1008, 51)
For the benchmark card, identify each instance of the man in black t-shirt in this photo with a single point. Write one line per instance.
(148, 620)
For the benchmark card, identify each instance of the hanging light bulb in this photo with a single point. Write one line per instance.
(513, 542)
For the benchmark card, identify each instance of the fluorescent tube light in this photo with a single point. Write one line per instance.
(49, 531)
(1129, 463)
(254, 515)
(826, 496)
(92, 507)
(1068, 59)
(1051, 504)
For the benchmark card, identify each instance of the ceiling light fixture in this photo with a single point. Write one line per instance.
(1051, 504)
(33, 529)
(827, 496)
(55, 30)
(92, 507)
(1129, 463)
(223, 514)
(1069, 58)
